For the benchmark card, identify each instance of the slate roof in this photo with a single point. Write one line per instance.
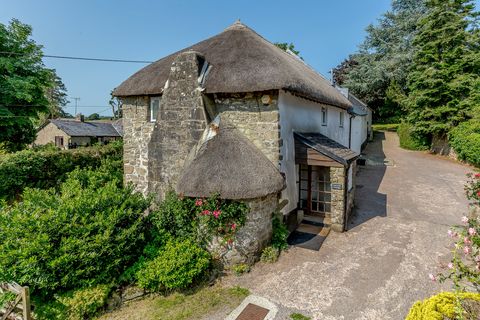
(327, 147)
(241, 61)
(77, 128)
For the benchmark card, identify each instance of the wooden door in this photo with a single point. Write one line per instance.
(315, 195)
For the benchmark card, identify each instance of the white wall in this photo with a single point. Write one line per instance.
(301, 115)
(359, 132)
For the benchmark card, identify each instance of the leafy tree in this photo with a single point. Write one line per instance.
(93, 116)
(383, 59)
(116, 104)
(27, 88)
(340, 73)
(444, 79)
(288, 46)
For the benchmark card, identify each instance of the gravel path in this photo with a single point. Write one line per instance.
(380, 267)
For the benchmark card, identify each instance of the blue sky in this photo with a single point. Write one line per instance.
(324, 31)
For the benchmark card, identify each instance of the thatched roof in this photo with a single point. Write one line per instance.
(227, 163)
(242, 61)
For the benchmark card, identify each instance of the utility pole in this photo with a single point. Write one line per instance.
(76, 104)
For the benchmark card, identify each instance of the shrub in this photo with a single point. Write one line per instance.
(443, 306)
(299, 316)
(86, 234)
(176, 266)
(46, 169)
(74, 305)
(465, 140)
(270, 254)
(385, 127)
(240, 269)
(409, 140)
(279, 234)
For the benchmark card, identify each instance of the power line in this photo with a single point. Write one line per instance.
(81, 58)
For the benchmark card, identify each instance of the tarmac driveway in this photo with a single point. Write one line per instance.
(405, 203)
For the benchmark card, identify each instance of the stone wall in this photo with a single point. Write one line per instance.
(253, 237)
(48, 133)
(351, 194)
(440, 145)
(181, 122)
(337, 176)
(256, 116)
(137, 131)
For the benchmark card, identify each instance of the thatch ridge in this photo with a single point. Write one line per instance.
(242, 61)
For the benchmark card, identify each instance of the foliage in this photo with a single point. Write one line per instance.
(87, 234)
(270, 254)
(240, 269)
(386, 127)
(442, 306)
(285, 46)
(443, 79)
(176, 266)
(409, 140)
(299, 316)
(279, 234)
(93, 116)
(25, 86)
(6, 298)
(340, 72)
(465, 140)
(472, 188)
(377, 73)
(48, 168)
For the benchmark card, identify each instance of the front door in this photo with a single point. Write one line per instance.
(315, 189)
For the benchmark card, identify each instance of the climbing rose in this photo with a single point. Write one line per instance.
(432, 277)
(477, 175)
(198, 202)
(217, 213)
(472, 231)
(467, 241)
(234, 226)
(452, 234)
(467, 250)
(478, 193)
(465, 219)
(206, 212)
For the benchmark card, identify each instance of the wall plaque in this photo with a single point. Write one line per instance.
(337, 186)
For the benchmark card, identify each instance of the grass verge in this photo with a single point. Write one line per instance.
(182, 306)
(385, 127)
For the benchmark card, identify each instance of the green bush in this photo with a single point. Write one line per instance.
(279, 234)
(86, 234)
(443, 306)
(299, 316)
(178, 264)
(385, 126)
(48, 168)
(409, 140)
(240, 269)
(74, 305)
(269, 254)
(465, 140)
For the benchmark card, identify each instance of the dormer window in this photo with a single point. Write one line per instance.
(154, 108)
(324, 116)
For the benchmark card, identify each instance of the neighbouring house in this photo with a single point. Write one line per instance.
(361, 121)
(72, 133)
(237, 116)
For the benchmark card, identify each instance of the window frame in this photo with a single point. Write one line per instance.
(150, 113)
(324, 116)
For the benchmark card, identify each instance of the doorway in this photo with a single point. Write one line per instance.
(315, 192)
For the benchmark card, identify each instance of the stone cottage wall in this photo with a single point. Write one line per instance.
(256, 116)
(253, 237)
(137, 131)
(337, 175)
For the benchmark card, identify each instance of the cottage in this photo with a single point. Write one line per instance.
(236, 115)
(70, 133)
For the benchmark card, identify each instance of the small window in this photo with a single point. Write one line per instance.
(342, 120)
(324, 116)
(154, 107)
(59, 141)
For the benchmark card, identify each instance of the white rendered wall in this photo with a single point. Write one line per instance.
(301, 115)
(359, 132)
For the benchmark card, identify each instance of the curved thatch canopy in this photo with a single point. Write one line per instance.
(242, 61)
(229, 164)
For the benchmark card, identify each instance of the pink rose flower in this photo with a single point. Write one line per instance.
(198, 202)
(477, 175)
(472, 231)
(234, 226)
(206, 212)
(467, 241)
(465, 219)
(432, 277)
(216, 213)
(467, 250)
(452, 234)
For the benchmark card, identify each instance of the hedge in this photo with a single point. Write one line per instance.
(465, 140)
(48, 168)
(408, 139)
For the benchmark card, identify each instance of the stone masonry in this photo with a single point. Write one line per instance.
(337, 175)
(181, 122)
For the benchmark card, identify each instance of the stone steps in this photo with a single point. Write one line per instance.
(311, 232)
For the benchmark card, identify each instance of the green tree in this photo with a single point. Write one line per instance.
(288, 46)
(25, 85)
(93, 116)
(444, 79)
(383, 59)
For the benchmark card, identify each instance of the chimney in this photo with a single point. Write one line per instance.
(80, 117)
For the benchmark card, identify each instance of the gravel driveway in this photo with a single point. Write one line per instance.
(405, 203)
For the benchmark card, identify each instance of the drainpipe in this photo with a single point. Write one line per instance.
(350, 132)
